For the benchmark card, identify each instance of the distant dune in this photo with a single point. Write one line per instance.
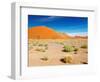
(82, 37)
(43, 32)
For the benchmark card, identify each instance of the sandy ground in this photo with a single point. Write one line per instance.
(44, 52)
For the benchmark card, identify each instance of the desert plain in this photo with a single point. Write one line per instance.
(47, 47)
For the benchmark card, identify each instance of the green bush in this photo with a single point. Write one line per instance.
(68, 49)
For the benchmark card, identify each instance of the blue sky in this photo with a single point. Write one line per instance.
(69, 25)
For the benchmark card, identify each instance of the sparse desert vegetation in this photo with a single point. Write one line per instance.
(57, 52)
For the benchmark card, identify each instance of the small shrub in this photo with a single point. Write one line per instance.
(44, 58)
(75, 49)
(40, 49)
(84, 46)
(68, 49)
(73, 46)
(34, 44)
(45, 45)
(61, 43)
(40, 45)
(43, 50)
(84, 62)
(66, 59)
(62, 60)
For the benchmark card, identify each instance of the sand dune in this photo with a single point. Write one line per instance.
(43, 32)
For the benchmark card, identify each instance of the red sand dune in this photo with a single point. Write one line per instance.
(43, 32)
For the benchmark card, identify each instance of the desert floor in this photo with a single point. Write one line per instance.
(44, 52)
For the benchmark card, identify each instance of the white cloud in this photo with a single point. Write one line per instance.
(50, 18)
(78, 34)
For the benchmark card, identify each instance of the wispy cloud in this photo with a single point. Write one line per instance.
(78, 34)
(47, 19)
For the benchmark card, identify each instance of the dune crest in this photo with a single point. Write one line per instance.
(43, 32)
